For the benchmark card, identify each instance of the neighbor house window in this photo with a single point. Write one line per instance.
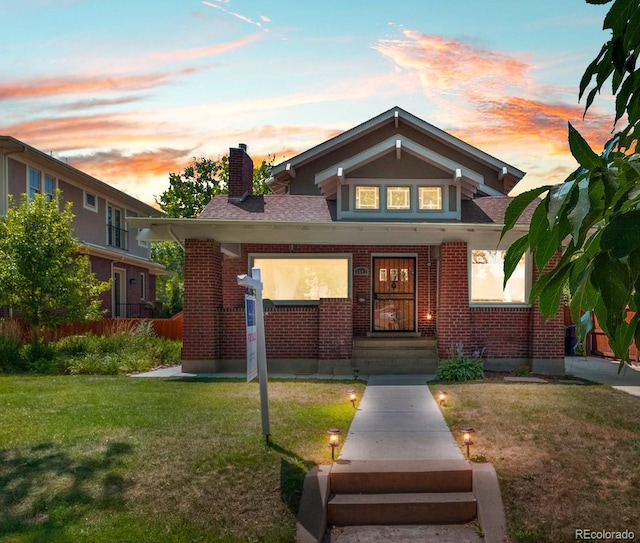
(430, 198)
(90, 201)
(34, 182)
(487, 277)
(398, 198)
(367, 197)
(39, 186)
(304, 279)
(117, 235)
(143, 286)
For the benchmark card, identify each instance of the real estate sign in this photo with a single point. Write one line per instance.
(252, 337)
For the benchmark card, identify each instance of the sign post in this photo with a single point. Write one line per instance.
(255, 284)
(252, 337)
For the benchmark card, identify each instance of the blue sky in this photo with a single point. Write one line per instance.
(130, 90)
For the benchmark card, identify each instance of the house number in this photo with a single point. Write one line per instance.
(361, 271)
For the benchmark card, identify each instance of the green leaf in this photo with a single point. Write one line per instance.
(517, 206)
(513, 255)
(580, 211)
(556, 200)
(622, 234)
(581, 151)
(550, 295)
(620, 12)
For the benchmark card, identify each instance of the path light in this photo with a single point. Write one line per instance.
(334, 440)
(466, 438)
(352, 396)
(442, 396)
(356, 372)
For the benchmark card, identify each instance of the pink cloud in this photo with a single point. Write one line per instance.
(41, 87)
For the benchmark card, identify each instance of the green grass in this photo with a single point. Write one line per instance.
(567, 457)
(105, 459)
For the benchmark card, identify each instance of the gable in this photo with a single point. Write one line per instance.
(300, 174)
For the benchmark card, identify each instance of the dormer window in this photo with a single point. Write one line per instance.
(367, 197)
(399, 198)
(430, 198)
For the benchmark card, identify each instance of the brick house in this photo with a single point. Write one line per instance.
(100, 223)
(379, 250)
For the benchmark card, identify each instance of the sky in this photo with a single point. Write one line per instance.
(131, 90)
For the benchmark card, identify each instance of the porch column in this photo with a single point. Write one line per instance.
(547, 337)
(202, 302)
(454, 316)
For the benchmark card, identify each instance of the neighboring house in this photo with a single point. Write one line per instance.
(100, 223)
(379, 250)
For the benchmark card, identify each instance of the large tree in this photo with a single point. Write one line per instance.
(188, 194)
(191, 190)
(44, 276)
(594, 216)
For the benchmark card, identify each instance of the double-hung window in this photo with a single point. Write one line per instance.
(40, 185)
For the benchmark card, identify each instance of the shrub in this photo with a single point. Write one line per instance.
(461, 367)
(10, 345)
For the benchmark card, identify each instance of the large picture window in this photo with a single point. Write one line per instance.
(487, 277)
(304, 279)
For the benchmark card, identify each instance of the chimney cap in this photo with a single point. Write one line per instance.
(242, 146)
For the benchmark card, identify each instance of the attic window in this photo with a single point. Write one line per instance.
(430, 198)
(367, 198)
(398, 198)
(90, 201)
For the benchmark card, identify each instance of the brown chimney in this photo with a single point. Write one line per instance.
(240, 173)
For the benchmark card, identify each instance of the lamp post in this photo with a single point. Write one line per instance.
(334, 440)
(466, 438)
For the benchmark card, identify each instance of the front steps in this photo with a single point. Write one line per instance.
(394, 355)
(401, 492)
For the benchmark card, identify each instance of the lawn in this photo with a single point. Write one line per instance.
(105, 459)
(567, 456)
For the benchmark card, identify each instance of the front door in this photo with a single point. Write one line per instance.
(394, 294)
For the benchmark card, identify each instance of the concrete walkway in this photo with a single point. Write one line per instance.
(605, 371)
(398, 419)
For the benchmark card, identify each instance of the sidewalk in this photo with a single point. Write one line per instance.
(605, 371)
(398, 419)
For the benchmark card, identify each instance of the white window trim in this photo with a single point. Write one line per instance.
(299, 256)
(527, 286)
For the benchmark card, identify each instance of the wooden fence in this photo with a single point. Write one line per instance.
(167, 328)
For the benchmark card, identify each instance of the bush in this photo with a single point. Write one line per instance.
(461, 367)
(10, 345)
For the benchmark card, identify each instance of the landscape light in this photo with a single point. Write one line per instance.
(466, 438)
(356, 372)
(352, 397)
(334, 440)
(442, 396)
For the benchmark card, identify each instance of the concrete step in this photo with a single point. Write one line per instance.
(394, 343)
(391, 477)
(394, 353)
(407, 508)
(396, 369)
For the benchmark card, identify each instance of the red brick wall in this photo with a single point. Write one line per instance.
(454, 316)
(503, 332)
(291, 333)
(202, 300)
(548, 337)
(240, 173)
(335, 329)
